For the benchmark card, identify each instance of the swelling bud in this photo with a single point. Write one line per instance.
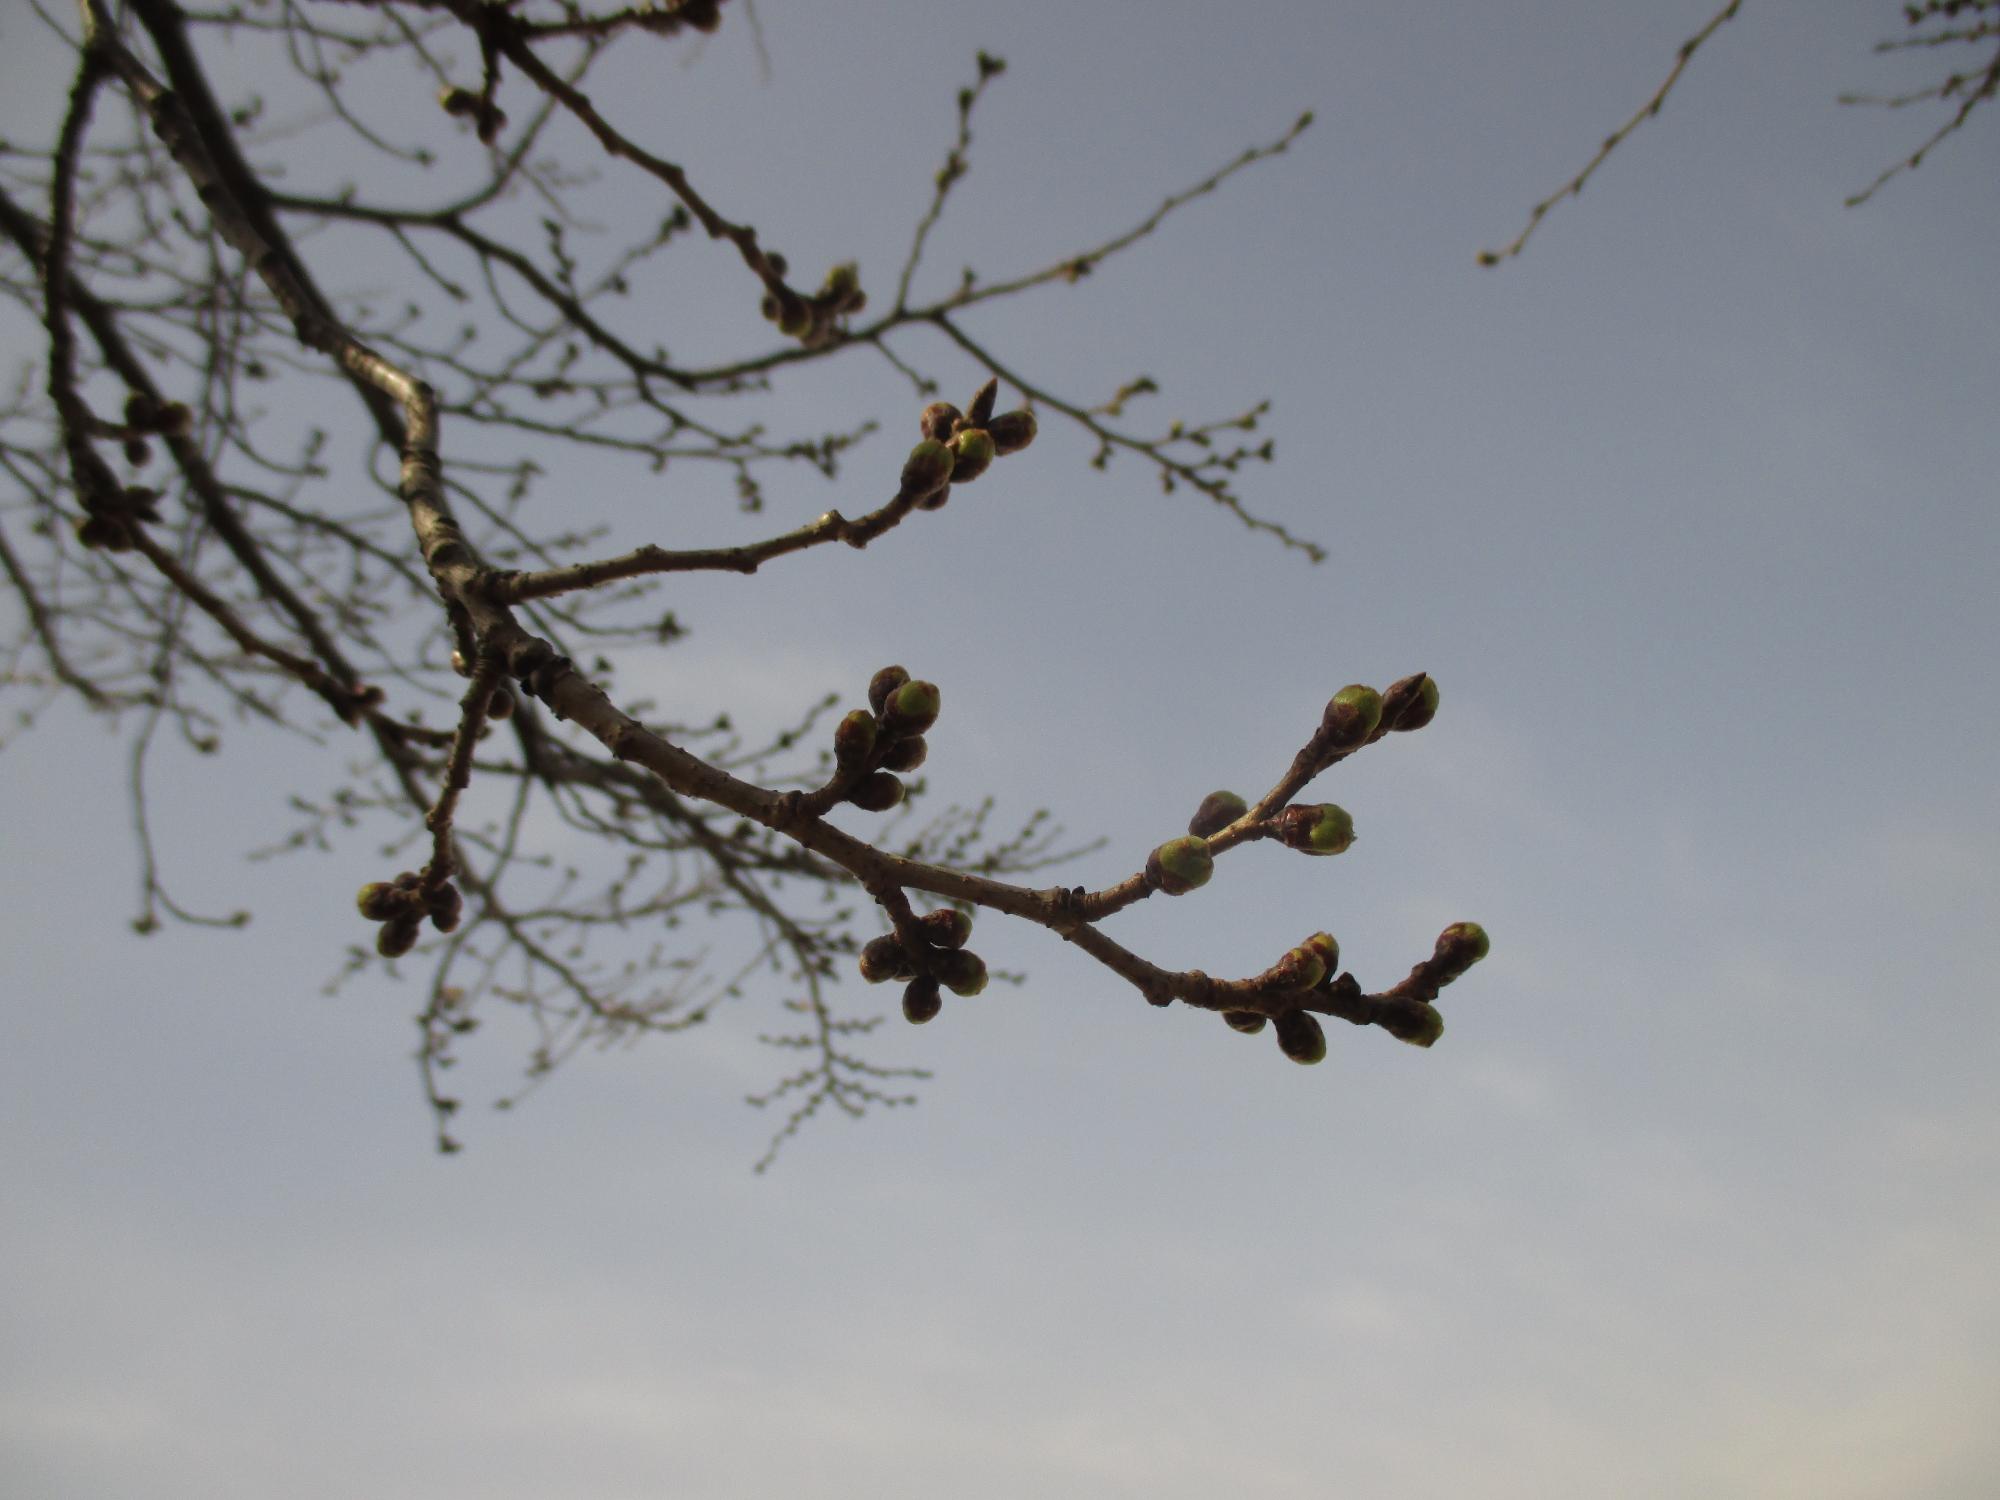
(883, 683)
(853, 738)
(912, 708)
(1179, 865)
(962, 972)
(377, 901)
(1459, 947)
(921, 1000)
(947, 927)
(927, 469)
(878, 791)
(398, 936)
(1217, 811)
(1411, 703)
(1012, 431)
(1418, 1023)
(1351, 716)
(1246, 1021)
(940, 420)
(1316, 828)
(972, 452)
(1300, 1037)
(884, 958)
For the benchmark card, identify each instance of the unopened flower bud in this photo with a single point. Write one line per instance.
(921, 1000)
(1316, 828)
(883, 683)
(1410, 703)
(1415, 1022)
(1327, 946)
(878, 791)
(912, 708)
(1459, 947)
(981, 411)
(445, 906)
(1180, 865)
(972, 451)
(940, 420)
(1301, 968)
(1246, 1021)
(928, 468)
(1012, 431)
(947, 927)
(906, 755)
(1351, 716)
(398, 936)
(377, 901)
(1300, 1037)
(963, 972)
(885, 958)
(500, 705)
(458, 101)
(853, 738)
(1217, 811)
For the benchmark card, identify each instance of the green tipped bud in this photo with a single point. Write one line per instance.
(1246, 1021)
(921, 1000)
(906, 755)
(853, 738)
(883, 683)
(1300, 1037)
(398, 936)
(912, 708)
(1415, 1022)
(885, 958)
(947, 927)
(1012, 431)
(981, 411)
(972, 451)
(1316, 828)
(1459, 947)
(928, 468)
(842, 284)
(1179, 865)
(940, 420)
(878, 791)
(1351, 716)
(963, 972)
(794, 314)
(1327, 946)
(1301, 968)
(1217, 811)
(458, 101)
(377, 901)
(1411, 703)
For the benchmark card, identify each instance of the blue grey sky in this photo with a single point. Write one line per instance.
(1691, 511)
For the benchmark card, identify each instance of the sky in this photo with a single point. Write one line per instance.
(1690, 511)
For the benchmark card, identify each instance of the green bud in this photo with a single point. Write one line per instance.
(906, 755)
(1180, 865)
(1012, 431)
(377, 901)
(947, 927)
(1303, 967)
(921, 1001)
(962, 971)
(1459, 947)
(1246, 1021)
(885, 958)
(878, 791)
(972, 451)
(842, 283)
(1327, 947)
(928, 468)
(853, 738)
(1410, 703)
(940, 420)
(1316, 828)
(981, 411)
(1414, 1022)
(912, 708)
(794, 314)
(1351, 716)
(398, 936)
(1217, 811)
(882, 684)
(1300, 1037)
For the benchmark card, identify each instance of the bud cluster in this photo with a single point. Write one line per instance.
(871, 745)
(941, 961)
(814, 321)
(401, 905)
(1311, 965)
(959, 446)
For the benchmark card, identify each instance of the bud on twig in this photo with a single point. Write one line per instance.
(921, 1001)
(1459, 947)
(885, 958)
(1180, 865)
(1300, 1036)
(853, 738)
(912, 708)
(878, 791)
(947, 927)
(883, 683)
(981, 411)
(1416, 1022)
(1246, 1021)
(907, 754)
(1217, 811)
(1351, 716)
(972, 452)
(940, 420)
(928, 468)
(1316, 828)
(1012, 431)
(963, 972)
(1410, 703)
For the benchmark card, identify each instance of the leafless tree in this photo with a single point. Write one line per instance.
(185, 555)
